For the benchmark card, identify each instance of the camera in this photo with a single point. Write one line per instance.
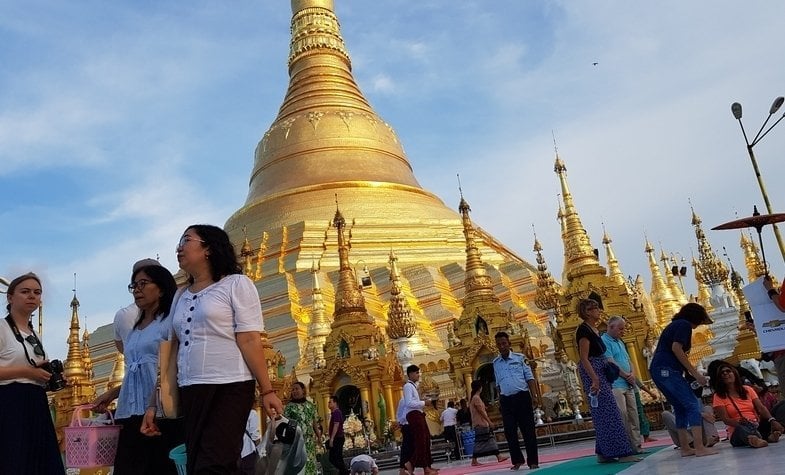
(56, 381)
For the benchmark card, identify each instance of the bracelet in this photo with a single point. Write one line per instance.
(772, 293)
(772, 419)
(269, 391)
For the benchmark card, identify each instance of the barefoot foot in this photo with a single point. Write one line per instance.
(710, 451)
(757, 442)
(687, 452)
(630, 458)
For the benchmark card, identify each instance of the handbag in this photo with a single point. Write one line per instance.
(611, 372)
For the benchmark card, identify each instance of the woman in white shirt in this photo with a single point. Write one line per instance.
(217, 321)
(153, 288)
(28, 443)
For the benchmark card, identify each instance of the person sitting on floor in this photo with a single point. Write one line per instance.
(748, 421)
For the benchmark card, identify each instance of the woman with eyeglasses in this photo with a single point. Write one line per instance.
(217, 323)
(28, 443)
(153, 288)
(748, 422)
(668, 367)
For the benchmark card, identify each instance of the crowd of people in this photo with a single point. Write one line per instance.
(213, 324)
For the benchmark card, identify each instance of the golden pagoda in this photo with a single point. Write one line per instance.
(665, 304)
(327, 141)
(752, 260)
(77, 373)
(586, 278)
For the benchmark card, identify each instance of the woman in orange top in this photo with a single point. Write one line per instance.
(748, 421)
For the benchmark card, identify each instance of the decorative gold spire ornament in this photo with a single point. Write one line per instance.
(713, 271)
(752, 261)
(747, 345)
(670, 279)
(547, 296)
(704, 293)
(614, 271)
(400, 323)
(661, 296)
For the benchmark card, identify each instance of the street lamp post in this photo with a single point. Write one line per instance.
(775, 106)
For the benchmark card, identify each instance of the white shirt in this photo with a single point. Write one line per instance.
(12, 353)
(124, 321)
(205, 324)
(251, 427)
(411, 398)
(140, 348)
(448, 417)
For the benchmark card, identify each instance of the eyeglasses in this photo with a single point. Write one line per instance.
(36, 344)
(139, 284)
(185, 239)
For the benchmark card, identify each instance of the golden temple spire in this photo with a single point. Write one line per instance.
(670, 278)
(614, 271)
(74, 370)
(326, 138)
(713, 271)
(400, 323)
(476, 276)
(752, 259)
(579, 255)
(547, 294)
(260, 255)
(704, 293)
(349, 301)
(661, 296)
(747, 345)
(86, 357)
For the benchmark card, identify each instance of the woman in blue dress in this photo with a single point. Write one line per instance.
(153, 288)
(608, 425)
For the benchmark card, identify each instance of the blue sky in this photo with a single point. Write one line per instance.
(123, 122)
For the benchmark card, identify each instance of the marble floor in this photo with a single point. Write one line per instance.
(729, 461)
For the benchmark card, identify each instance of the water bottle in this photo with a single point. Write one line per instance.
(594, 401)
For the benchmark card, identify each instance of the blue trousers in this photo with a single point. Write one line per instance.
(677, 391)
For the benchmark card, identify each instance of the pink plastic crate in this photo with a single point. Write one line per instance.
(88, 446)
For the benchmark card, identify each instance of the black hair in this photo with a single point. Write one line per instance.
(161, 277)
(412, 369)
(476, 386)
(222, 258)
(451, 404)
(501, 335)
(693, 313)
(334, 399)
(720, 388)
(301, 384)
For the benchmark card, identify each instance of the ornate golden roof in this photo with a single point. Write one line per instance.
(547, 296)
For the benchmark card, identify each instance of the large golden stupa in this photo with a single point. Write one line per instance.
(328, 148)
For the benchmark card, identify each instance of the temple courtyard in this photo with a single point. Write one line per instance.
(662, 458)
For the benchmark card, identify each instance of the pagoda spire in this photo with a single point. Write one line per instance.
(747, 345)
(704, 293)
(400, 323)
(74, 369)
(752, 260)
(670, 279)
(349, 300)
(547, 294)
(579, 255)
(713, 271)
(614, 271)
(86, 356)
(661, 296)
(477, 280)
(118, 372)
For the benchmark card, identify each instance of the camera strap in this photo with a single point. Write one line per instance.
(21, 340)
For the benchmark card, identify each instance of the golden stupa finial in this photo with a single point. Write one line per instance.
(320, 325)
(547, 293)
(670, 277)
(752, 260)
(614, 270)
(349, 300)
(662, 298)
(578, 251)
(704, 293)
(400, 323)
(87, 359)
(713, 271)
(476, 275)
(315, 30)
(74, 370)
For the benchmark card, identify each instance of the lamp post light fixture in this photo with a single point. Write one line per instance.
(775, 106)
